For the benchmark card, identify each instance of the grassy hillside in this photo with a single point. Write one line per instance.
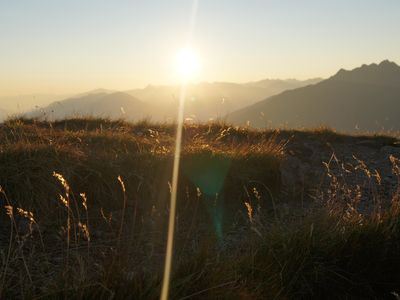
(84, 206)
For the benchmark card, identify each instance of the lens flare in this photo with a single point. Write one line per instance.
(188, 65)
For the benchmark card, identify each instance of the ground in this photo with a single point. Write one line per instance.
(279, 214)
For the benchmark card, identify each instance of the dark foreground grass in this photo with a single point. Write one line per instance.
(85, 205)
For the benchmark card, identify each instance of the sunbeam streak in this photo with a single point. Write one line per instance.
(175, 171)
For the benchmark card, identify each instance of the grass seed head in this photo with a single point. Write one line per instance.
(249, 211)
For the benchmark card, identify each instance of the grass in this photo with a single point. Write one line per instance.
(85, 205)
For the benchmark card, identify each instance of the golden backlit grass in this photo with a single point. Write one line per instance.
(84, 206)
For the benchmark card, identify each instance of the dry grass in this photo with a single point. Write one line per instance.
(85, 204)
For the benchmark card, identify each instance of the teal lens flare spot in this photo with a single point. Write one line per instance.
(207, 171)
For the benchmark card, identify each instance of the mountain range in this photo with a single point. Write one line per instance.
(204, 101)
(366, 98)
(104, 104)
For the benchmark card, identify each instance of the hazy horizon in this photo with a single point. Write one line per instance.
(72, 93)
(55, 47)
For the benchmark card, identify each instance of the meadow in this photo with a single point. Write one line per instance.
(85, 203)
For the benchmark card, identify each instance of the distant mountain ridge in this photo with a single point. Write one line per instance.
(214, 100)
(386, 73)
(283, 84)
(204, 101)
(366, 98)
(114, 105)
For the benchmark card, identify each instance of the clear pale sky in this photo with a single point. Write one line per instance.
(64, 46)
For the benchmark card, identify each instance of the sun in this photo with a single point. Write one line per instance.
(187, 63)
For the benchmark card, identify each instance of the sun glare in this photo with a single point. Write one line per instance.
(187, 63)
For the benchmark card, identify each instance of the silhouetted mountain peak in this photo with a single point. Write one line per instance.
(387, 62)
(365, 98)
(119, 98)
(385, 73)
(340, 73)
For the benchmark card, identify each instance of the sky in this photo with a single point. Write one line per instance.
(68, 46)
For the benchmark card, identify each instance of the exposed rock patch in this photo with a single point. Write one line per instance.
(315, 168)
